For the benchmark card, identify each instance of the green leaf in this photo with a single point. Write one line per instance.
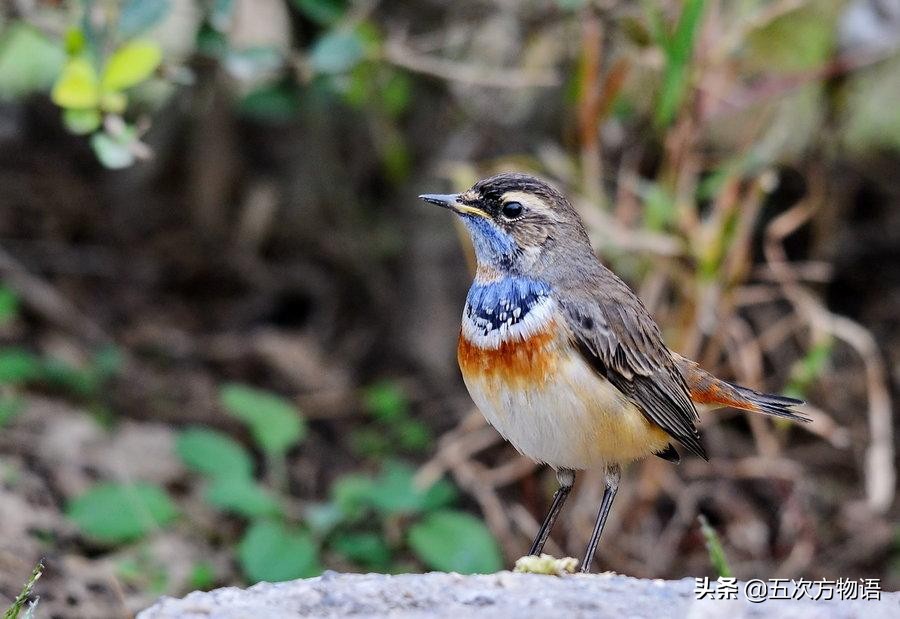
(352, 494)
(678, 49)
(19, 366)
(77, 86)
(113, 152)
(322, 12)
(336, 52)
(213, 453)
(81, 121)
(386, 402)
(659, 206)
(112, 513)
(29, 61)
(107, 362)
(275, 423)
(367, 549)
(9, 304)
(809, 368)
(203, 576)
(113, 102)
(59, 373)
(413, 435)
(242, 496)
(271, 552)
(454, 541)
(129, 65)
(74, 41)
(321, 518)
(136, 16)
(278, 103)
(714, 548)
(395, 491)
(371, 443)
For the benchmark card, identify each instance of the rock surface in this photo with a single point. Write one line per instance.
(498, 595)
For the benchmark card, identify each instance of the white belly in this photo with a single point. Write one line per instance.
(573, 419)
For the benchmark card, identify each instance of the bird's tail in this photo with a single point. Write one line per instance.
(707, 389)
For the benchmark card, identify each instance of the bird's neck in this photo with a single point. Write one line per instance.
(493, 247)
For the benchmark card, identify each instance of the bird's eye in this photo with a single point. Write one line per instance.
(511, 210)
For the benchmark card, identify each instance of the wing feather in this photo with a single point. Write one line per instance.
(619, 339)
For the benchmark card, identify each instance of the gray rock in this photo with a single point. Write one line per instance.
(499, 595)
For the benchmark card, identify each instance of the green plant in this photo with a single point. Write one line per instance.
(22, 599)
(104, 63)
(107, 73)
(809, 368)
(360, 520)
(144, 571)
(678, 47)
(113, 513)
(455, 541)
(440, 537)
(714, 548)
(272, 547)
(393, 430)
(21, 369)
(9, 305)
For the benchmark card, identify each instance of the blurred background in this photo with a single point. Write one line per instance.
(228, 327)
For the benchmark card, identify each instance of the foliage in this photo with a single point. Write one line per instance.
(22, 599)
(275, 423)
(213, 453)
(20, 369)
(9, 305)
(714, 548)
(96, 69)
(273, 552)
(393, 430)
(678, 48)
(455, 541)
(809, 368)
(114, 513)
(29, 61)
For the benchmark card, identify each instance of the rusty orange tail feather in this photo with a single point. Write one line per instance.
(707, 389)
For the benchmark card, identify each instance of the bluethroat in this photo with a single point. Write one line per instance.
(561, 356)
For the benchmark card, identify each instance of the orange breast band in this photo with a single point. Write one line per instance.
(530, 361)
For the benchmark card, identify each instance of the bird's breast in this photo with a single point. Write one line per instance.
(532, 385)
(513, 337)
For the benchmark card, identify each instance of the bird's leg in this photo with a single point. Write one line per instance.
(566, 478)
(613, 473)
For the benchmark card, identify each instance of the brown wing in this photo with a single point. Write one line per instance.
(619, 339)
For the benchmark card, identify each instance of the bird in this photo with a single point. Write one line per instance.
(561, 356)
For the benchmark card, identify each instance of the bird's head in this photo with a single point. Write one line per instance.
(518, 223)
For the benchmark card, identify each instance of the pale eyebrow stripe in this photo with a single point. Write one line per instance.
(532, 201)
(523, 197)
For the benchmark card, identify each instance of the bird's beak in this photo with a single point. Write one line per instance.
(452, 201)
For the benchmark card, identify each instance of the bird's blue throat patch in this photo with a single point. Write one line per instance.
(506, 301)
(492, 246)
